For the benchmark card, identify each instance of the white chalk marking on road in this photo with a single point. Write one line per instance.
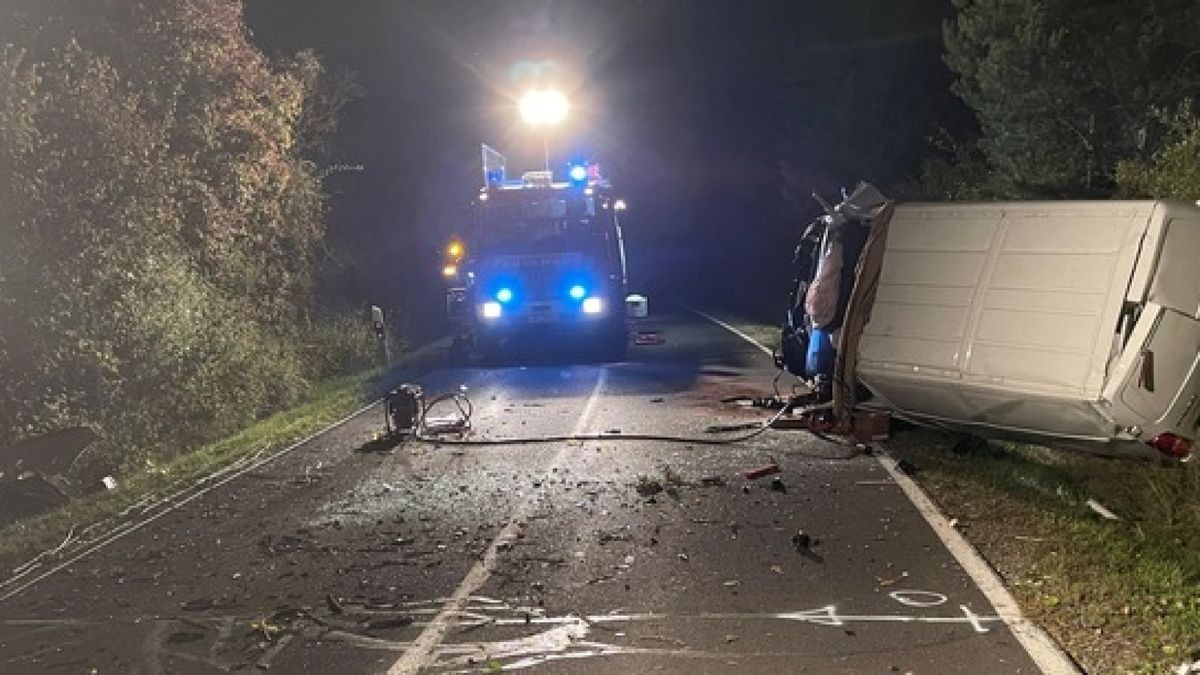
(1044, 651)
(424, 646)
(913, 598)
(973, 618)
(123, 531)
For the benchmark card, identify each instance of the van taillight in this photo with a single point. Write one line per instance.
(1172, 445)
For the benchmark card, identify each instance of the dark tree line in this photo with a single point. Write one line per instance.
(1013, 99)
(162, 225)
(1074, 98)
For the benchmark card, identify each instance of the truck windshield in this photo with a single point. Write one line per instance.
(542, 224)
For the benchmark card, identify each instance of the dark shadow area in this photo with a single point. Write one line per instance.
(383, 444)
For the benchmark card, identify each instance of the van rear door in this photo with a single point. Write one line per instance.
(1163, 366)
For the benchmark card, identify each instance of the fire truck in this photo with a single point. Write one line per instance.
(540, 258)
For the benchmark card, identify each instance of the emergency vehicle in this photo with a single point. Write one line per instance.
(540, 259)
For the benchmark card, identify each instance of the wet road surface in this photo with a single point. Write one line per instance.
(604, 556)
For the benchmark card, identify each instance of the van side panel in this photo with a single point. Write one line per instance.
(1015, 297)
(1048, 309)
(1003, 315)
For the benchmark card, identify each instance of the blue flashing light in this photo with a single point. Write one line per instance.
(504, 295)
(578, 174)
(577, 292)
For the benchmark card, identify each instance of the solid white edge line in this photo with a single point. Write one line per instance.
(733, 329)
(122, 531)
(422, 648)
(1042, 649)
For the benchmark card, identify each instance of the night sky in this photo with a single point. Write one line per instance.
(686, 103)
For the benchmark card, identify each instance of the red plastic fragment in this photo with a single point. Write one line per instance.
(765, 470)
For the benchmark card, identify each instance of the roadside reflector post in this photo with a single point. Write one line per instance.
(377, 322)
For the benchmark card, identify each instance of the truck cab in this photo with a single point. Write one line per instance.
(542, 259)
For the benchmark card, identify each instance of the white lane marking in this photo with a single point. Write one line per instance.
(1044, 651)
(125, 530)
(732, 329)
(422, 649)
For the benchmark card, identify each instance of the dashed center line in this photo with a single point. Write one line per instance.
(423, 648)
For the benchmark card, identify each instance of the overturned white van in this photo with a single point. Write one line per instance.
(1072, 323)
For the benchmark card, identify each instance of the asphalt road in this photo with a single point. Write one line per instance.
(610, 556)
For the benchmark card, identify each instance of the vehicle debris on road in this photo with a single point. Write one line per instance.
(765, 470)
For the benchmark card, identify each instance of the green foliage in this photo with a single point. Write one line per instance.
(1174, 169)
(1064, 90)
(161, 226)
(341, 343)
(958, 172)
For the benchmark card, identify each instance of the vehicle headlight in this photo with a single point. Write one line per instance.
(491, 310)
(592, 306)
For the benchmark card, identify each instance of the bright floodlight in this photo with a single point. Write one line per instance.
(592, 306)
(619, 205)
(540, 107)
(491, 310)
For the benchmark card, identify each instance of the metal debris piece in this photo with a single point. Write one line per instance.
(648, 486)
(266, 628)
(333, 604)
(801, 541)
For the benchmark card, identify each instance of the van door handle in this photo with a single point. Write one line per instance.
(1146, 373)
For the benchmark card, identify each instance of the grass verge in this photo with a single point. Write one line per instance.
(328, 402)
(1120, 596)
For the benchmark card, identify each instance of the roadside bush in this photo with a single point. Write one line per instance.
(343, 342)
(161, 228)
(1174, 169)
